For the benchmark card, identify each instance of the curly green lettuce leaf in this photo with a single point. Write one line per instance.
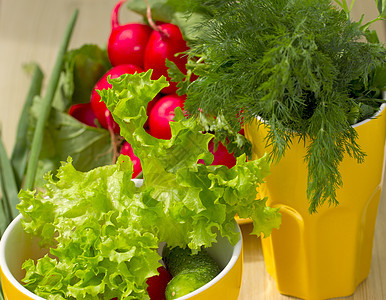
(88, 220)
(192, 208)
(127, 100)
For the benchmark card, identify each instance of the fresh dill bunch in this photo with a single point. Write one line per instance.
(302, 66)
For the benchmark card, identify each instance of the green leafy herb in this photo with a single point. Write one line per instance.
(235, 142)
(302, 66)
(105, 231)
(371, 35)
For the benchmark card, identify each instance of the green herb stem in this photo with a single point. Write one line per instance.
(1, 294)
(20, 151)
(367, 25)
(4, 219)
(343, 4)
(46, 106)
(8, 186)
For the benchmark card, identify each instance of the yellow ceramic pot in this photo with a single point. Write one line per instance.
(326, 254)
(16, 246)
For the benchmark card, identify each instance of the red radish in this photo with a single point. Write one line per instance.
(162, 113)
(151, 104)
(163, 44)
(157, 284)
(149, 107)
(127, 42)
(83, 113)
(221, 156)
(128, 150)
(99, 107)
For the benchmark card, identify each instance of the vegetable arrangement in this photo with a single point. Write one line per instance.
(304, 67)
(133, 48)
(88, 212)
(105, 231)
(223, 62)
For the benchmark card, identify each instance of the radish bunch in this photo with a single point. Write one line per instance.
(135, 48)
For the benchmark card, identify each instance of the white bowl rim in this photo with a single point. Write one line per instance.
(7, 273)
(381, 108)
(376, 115)
(4, 266)
(235, 256)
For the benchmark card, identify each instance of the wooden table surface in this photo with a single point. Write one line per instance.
(31, 31)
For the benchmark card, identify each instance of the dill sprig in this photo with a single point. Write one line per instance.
(301, 65)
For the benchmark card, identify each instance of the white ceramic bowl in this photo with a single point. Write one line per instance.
(16, 246)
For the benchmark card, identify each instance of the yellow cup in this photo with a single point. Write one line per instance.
(326, 254)
(16, 246)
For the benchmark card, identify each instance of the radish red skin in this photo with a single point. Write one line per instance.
(127, 42)
(221, 156)
(149, 107)
(101, 112)
(165, 44)
(128, 150)
(157, 284)
(163, 113)
(83, 113)
(151, 104)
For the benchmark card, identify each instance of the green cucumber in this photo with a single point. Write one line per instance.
(189, 271)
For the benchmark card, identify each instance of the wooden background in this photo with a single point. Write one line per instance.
(31, 31)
